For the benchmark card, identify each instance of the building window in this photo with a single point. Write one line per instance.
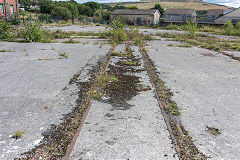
(1, 9)
(11, 9)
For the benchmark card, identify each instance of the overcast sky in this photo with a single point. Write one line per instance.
(232, 3)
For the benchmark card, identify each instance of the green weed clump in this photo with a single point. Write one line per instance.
(130, 63)
(63, 55)
(33, 32)
(172, 108)
(5, 30)
(184, 45)
(102, 80)
(17, 134)
(191, 29)
(116, 36)
(228, 28)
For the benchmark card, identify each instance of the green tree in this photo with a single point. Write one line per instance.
(101, 15)
(93, 5)
(85, 10)
(61, 12)
(46, 6)
(72, 7)
(26, 4)
(5, 30)
(81, 9)
(158, 6)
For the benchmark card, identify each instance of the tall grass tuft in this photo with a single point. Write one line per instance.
(191, 29)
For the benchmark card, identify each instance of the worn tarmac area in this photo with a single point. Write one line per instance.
(132, 128)
(206, 87)
(34, 89)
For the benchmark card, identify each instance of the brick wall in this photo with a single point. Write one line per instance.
(9, 8)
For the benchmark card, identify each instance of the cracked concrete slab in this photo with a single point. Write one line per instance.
(206, 87)
(35, 93)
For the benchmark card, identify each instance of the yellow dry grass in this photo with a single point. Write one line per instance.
(175, 5)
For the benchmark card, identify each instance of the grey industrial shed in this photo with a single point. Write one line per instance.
(180, 15)
(212, 15)
(138, 16)
(233, 17)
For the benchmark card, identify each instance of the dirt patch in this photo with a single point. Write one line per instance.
(208, 54)
(119, 92)
(213, 131)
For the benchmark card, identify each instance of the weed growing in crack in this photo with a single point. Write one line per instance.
(102, 80)
(4, 50)
(118, 54)
(172, 108)
(40, 59)
(185, 45)
(17, 134)
(208, 42)
(63, 55)
(130, 63)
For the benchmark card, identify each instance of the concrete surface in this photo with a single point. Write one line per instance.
(31, 90)
(136, 133)
(77, 28)
(156, 31)
(206, 87)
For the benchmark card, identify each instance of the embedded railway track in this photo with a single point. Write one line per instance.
(71, 145)
(167, 118)
(177, 133)
(180, 138)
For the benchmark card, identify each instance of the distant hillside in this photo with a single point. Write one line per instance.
(176, 4)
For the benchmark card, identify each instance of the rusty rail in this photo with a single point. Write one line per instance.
(71, 145)
(167, 118)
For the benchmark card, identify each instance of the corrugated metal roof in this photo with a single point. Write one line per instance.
(215, 12)
(133, 12)
(179, 11)
(228, 17)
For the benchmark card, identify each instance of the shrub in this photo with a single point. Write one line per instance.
(72, 7)
(5, 29)
(173, 27)
(42, 17)
(116, 36)
(14, 21)
(61, 13)
(191, 29)
(228, 28)
(118, 23)
(32, 32)
(237, 27)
